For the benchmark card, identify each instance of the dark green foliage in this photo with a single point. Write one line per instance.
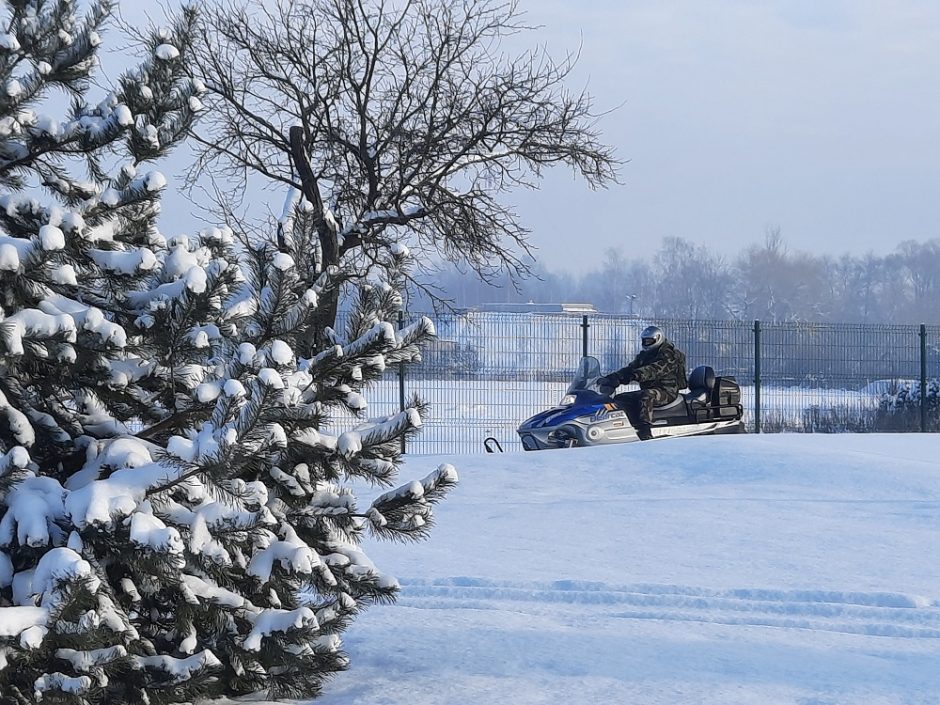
(174, 523)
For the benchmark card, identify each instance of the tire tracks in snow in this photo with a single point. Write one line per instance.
(885, 614)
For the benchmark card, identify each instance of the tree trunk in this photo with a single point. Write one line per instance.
(326, 232)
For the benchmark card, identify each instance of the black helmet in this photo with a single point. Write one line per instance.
(652, 337)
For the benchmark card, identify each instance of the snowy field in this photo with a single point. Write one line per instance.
(760, 570)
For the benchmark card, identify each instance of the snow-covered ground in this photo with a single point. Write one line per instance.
(796, 569)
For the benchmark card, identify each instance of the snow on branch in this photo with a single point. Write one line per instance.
(171, 670)
(60, 682)
(273, 621)
(17, 421)
(380, 337)
(85, 318)
(33, 323)
(292, 556)
(409, 341)
(16, 458)
(127, 263)
(91, 660)
(101, 502)
(35, 506)
(17, 620)
(378, 432)
(59, 567)
(406, 512)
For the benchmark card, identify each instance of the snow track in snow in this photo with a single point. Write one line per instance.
(724, 570)
(872, 614)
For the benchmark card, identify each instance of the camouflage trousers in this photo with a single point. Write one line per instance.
(639, 404)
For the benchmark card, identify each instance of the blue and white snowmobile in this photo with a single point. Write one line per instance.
(587, 417)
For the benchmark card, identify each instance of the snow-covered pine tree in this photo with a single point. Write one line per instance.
(174, 517)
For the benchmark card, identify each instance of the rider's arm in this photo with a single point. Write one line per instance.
(627, 374)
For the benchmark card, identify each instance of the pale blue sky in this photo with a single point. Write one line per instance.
(822, 118)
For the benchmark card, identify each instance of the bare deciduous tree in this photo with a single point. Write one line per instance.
(692, 281)
(412, 118)
(777, 285)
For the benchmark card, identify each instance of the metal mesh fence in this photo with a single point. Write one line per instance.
(487, 371)
(833, 377)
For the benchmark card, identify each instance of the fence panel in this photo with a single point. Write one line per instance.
(487, 371)
(832, 377)
(933, 372)
(932, 399)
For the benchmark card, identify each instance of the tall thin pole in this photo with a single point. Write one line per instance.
(584, 335)
(401, 380)
(757, 377)
(923, 378)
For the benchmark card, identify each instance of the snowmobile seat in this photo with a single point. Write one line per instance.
(701, 384)
(668, 406)
(674, 409)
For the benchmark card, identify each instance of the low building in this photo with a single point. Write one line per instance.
(574, 309)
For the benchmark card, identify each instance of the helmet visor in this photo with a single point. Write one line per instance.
(648, 342)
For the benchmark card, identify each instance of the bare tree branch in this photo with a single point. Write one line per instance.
(415, 124)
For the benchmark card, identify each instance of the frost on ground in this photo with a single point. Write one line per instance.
(790, 569)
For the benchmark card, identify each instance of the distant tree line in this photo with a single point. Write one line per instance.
(766, 281)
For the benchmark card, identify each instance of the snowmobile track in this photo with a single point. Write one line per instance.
(883, 614)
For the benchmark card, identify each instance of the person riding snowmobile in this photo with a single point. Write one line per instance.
(660, 370)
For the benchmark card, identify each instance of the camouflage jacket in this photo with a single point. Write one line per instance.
(663, 368)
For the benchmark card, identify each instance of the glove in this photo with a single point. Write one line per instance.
(607, 384)
(627, 376)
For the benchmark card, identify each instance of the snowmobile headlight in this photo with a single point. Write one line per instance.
(567, 400)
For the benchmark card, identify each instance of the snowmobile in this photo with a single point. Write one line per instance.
(586, 417)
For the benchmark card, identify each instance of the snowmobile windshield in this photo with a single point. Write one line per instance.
(588, 371)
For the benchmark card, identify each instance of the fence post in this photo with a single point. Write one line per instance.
(756, 376)
(923, 378)
(401, 379)
(584, 335)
